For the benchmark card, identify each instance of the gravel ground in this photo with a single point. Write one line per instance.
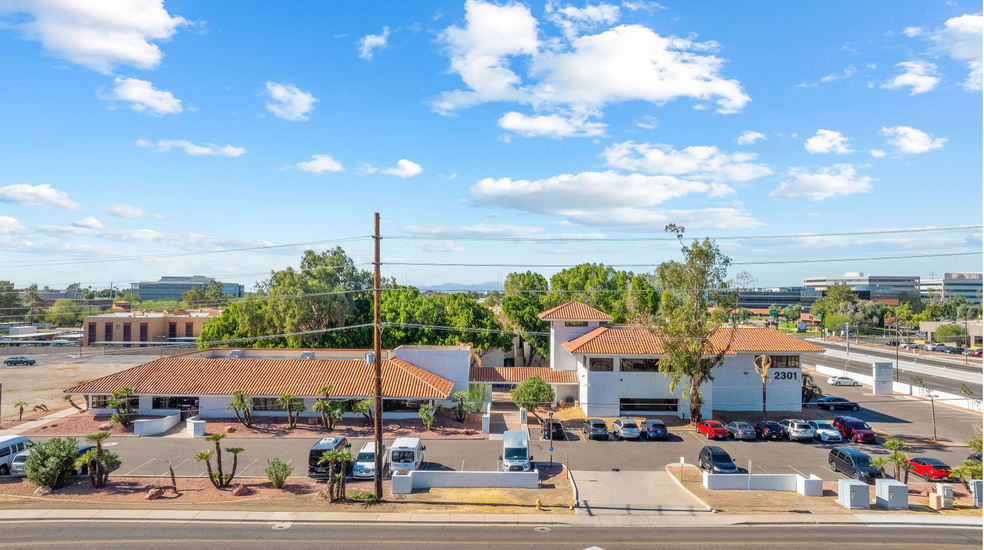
(44, 382)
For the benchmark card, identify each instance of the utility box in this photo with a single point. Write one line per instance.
(891, 494)
(945, 491)
(853, 494)
(881, 378)
(522, 417)
(977, 489)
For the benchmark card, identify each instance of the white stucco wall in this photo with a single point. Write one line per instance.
(561, 359)
(448, 363)
(738, 387)
(494, 358)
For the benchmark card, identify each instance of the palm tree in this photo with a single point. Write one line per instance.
(99, 462)
(330, 412)
(898, 456)
(880, 462)
(68, 399)
(20, 405)
(337, 460)
(290, 404)
(240, 404)
(206, 457)
(216, 438)
(235, 462)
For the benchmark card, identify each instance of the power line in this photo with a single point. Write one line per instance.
(656, 239)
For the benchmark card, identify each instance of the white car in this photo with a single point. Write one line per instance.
(625, 428)
(796, 430)
(909, 345)
(825, 431)
(842, 381)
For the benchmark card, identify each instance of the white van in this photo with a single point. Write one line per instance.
(516, 451)
(406, 454)
(365, 462)
(10, 445)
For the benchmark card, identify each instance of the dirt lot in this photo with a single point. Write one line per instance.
(44, 382)
(771, 502)
(297, 495)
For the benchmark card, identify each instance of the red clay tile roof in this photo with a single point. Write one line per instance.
(640, 341)
(498, 375)
(271, 377)
(574, 311)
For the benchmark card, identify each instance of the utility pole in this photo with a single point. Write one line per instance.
(377, 363)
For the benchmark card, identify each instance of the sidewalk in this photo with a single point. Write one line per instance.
(31, 424)
(676, 520)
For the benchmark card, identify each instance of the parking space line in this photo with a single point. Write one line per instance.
(797, 471)
(250, 464)
(141, 466)
(763, 469)
(175, 466)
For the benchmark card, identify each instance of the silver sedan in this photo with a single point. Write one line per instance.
(740, 430)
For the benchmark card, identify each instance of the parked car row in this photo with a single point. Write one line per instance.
(622, 428)
(857, 464)
(792, 429)
(405, 454)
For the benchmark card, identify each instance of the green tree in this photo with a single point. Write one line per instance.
(694, 339)
(193, 298)
(240, 404)
(33, 304)
(426, 414)
(10, 300)
(293, 406)
(97, 461)
(521, 305)
(337, 461)
(330, 412)
(120, 401)
(840, 293)
(621, 294)
(532, 393)
(470, 401)
(66, 313)
(791, 312)
(898, 456)
(950, 333)
(52, 463)
(366, 408)
(969, 469)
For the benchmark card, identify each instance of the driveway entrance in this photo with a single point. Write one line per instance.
(632, 493)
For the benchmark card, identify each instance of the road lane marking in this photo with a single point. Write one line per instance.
(141, 466)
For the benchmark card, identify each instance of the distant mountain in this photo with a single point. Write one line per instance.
(458, 287)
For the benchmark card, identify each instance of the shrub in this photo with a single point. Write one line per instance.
(52, 463)
(365, 497)
(427, 415)
(277, 472)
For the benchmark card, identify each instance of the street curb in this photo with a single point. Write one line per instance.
(680, 484)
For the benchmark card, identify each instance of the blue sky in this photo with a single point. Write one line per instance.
(150, 129)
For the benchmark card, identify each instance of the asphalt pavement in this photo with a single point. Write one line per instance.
(294, 536)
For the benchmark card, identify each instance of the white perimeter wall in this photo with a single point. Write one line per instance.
(422, 479)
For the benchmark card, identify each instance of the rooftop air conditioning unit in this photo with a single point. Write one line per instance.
(237, 354)
(307, 355)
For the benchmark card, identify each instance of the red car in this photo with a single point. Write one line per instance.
(929, 468)
(712, 429)
(855, 430)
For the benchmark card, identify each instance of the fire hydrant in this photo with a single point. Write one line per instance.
(538, 508)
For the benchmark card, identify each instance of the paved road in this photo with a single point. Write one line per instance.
(940, 378)
(931, 358)
(150, 536)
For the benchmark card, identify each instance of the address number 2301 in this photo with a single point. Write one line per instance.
(785, 375)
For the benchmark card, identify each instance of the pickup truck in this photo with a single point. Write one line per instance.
(935, 347)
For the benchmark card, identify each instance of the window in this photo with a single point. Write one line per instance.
(630, 405)
(102, 402)
(92, 332)
(638, 365)
(189, 329)
(165, 403)
(4, 451)
(601, 364)
(266, 404)
(109, 332)
(575, 323)
(172, 330)
(126, 332)
(785, 361)
(401, 405)
(403, 456)
(143, 333)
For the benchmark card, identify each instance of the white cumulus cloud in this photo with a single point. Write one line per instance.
(699, 162)
(920, 76)
(961, 39)
(126, 211)
(288, 102)
(910, 140)
(194, 150)
(319, 164)
(580, 74)
(143, 97)
(10, 226)
(551, 125)
(829, 141)
(912, 32)
(37, 195)
(877, 153)
(830, 181)
(371, 42)
(89, 222)
(98, 34)
(404, 169)
(749, 137)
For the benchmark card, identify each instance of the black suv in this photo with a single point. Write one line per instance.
(316, 469)
(767, 429)
(556, 427)
(853, 463)
(716, 460)
(18, 360)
